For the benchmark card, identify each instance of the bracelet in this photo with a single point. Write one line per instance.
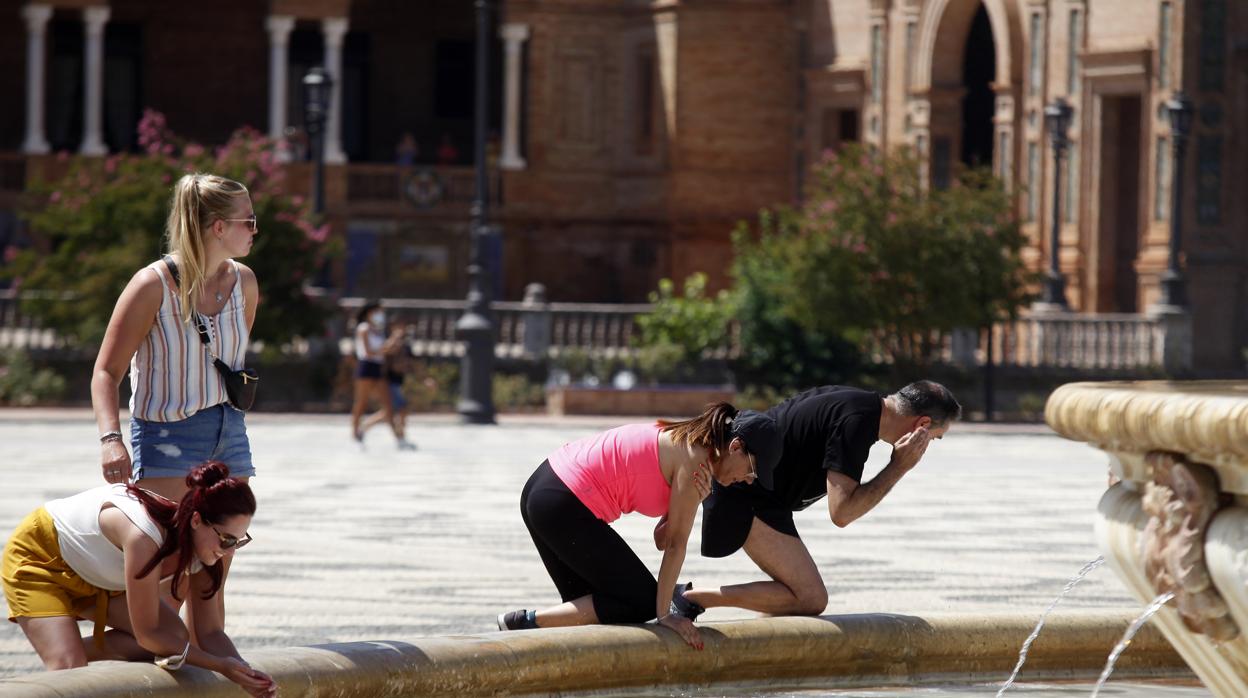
(110, 436)
(174, 662)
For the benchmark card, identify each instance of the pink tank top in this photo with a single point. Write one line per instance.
(615, 472)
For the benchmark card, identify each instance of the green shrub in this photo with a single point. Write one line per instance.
(873, 265)
(1031, 406)
(516, 392)
(431, 386)
(105, 219)
(778, 351)
(23, 384)
(692, 322)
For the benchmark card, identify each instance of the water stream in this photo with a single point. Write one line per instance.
(1134, 628)
(1022, 654)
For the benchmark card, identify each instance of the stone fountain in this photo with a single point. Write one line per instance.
(1174, 518)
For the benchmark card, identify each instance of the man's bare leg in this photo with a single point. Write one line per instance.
(796, 588)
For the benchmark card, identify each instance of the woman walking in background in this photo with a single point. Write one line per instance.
(180, 415)
(101, 555)
(658, 469)
(398, 366)
(371, 382)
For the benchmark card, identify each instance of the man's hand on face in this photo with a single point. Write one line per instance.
(909, 449)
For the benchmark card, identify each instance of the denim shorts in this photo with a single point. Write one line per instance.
(172, 449)
(397, 401)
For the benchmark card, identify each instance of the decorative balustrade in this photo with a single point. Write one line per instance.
(520, 329)
(536, 330)
(420, 187)
(21, 331)
(1104, 342)
(1110, 341)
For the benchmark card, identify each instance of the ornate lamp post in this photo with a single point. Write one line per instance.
(475, 328)
(1173, 284)
(317, 87)
(1057, 118)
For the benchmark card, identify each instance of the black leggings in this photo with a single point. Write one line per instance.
(584, 555)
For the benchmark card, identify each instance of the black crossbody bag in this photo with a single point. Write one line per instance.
(240, 385)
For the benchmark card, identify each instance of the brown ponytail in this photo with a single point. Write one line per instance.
(215, 496)
(710, 430)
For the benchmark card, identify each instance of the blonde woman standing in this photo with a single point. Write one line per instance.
(179, 413)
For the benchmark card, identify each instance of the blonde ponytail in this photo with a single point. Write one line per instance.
(198, 200)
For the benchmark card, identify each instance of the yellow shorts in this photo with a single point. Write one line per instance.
(38, 583)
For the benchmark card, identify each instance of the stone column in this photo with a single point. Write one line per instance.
(37, 16)
(334, 29)
(93, 71)
(514, 35)
(535, 323)
(1173, 327)
(279, 27)
(1003, 120)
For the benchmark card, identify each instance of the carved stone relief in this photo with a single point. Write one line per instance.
(1180, 501)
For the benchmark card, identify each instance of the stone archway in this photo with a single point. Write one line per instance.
(946, 28)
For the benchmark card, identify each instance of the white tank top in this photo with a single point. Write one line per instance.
(83, 544)
(171, 374)
(376, 339)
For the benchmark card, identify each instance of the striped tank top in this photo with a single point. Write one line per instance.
(171, 374)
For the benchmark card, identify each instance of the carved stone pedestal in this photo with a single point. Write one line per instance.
(1176, 519)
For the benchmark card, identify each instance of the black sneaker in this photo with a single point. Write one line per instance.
(517, 620)
(682, 606)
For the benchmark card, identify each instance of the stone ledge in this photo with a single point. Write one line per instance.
(763, 654)
(1207, 421)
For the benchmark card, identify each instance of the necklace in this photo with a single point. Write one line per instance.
(218, 294)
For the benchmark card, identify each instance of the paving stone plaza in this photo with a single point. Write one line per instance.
(378, 543)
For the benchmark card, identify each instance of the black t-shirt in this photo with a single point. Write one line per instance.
(828, 428)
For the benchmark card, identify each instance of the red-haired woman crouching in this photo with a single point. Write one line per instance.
(100, 555)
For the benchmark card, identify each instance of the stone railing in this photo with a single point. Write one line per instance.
(417, 184)
(531, 328)
(536, 329)
(21, 331)
(357, 188)
(1099, 342)
(1172, 523)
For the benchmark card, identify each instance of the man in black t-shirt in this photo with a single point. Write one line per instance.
(827, 434)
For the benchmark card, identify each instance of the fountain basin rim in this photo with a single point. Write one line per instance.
(766, 653)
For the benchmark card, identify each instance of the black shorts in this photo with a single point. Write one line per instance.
(368, 369)
(729, 512)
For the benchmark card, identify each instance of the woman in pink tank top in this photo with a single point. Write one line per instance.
(659, 469)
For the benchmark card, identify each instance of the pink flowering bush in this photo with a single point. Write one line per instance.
(875, 261)
(105, 219)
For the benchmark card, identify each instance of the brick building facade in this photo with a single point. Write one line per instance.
(631, 135)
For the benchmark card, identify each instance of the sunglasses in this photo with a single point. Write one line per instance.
(227, 541)
(251, 222)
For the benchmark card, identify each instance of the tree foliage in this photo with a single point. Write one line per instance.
(105, 219)
(874, 267)
(683, 331)
(879, 260)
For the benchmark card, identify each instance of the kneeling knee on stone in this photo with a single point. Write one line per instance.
(810, 601)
